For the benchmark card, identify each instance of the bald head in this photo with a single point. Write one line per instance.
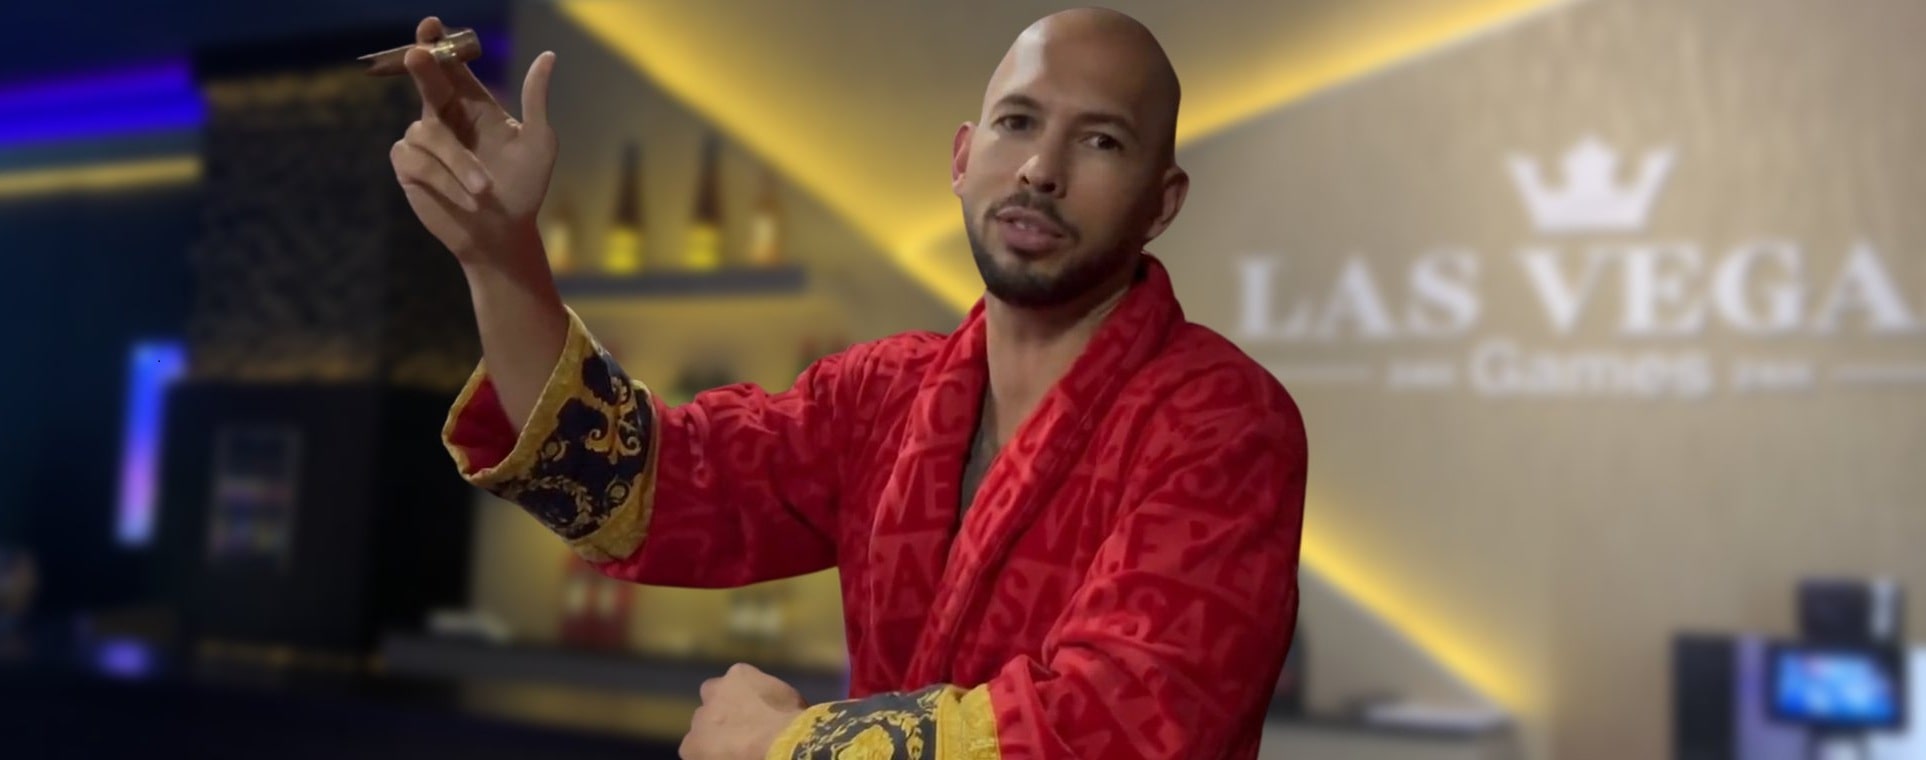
(1113, 55)
(1071, 169)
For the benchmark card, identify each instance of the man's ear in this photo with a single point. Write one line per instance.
(1176, 186)
(960, 155)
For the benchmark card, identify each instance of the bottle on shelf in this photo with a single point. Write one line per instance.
(704, 251)
(596, 610)
(756, 622)
(739, 623)
(624, 249)
(765, 227)
(772, 622)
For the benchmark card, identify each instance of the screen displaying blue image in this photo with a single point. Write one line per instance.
(1841, 688)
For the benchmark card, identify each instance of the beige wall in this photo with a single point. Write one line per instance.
(1567, 536)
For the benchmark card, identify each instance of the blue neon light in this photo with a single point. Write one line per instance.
(152, 367)
(137, 100)
(72, 125)
(124, 658)
(102, 88)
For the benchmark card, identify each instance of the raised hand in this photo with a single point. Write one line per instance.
(473, 173)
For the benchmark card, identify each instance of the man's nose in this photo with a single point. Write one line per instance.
(1043, 173)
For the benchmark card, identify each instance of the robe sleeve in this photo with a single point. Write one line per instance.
(735, 487)
(1170, 648)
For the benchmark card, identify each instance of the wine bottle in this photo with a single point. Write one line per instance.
(705, 229)
(765, 228)
(625, 236)
(771, 622)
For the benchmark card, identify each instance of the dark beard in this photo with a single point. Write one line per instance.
(1031, 290)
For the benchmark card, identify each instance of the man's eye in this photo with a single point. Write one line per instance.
(1102, 141)
(1016, 122)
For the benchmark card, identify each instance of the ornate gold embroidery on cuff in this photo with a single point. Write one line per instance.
(900, 726)
(583, 465)
(622, 533)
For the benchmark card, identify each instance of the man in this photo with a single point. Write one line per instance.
(1067, 529)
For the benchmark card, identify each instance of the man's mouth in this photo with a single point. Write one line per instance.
(1028, 231)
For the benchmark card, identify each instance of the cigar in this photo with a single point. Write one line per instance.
(458, 45)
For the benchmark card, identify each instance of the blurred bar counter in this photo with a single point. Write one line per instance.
(66, 696)
(438, 696)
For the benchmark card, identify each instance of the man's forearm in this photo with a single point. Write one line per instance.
(523, 326)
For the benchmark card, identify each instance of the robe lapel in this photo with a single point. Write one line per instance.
(915, 521)
(1033, 466)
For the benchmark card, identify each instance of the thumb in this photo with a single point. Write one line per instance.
(535, 90)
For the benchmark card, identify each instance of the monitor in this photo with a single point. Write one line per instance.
(1836, 687)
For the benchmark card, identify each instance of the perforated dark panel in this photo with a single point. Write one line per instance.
(311, 267)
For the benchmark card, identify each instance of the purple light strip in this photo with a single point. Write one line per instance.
(152, 368)
(148, 118)
(102, 88)
(157, 97)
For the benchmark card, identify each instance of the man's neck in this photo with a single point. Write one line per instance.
(1029, 350)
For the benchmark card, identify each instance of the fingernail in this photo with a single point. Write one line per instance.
(477, 182)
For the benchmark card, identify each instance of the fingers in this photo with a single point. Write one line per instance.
(439, 141)
(469, 88)
(771, 690)
(448, 91)
(535, 90)
(437, 93)
(461, 78)
(739, 677)
(416, 168)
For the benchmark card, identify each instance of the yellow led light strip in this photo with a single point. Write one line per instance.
(99, 177)
(1458, 653)
(684, 70)
(1265, 91)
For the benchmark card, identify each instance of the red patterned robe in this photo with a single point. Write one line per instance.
(1124, 583)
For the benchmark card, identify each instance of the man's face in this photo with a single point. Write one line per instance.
(1062, 177)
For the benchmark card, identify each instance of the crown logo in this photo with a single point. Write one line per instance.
(1591, 200)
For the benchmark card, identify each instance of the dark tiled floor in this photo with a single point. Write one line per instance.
(64, 713)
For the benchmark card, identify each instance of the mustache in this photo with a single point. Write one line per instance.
(1031, 201)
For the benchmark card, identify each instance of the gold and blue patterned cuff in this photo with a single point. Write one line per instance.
(940, 721)
(584, 464)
